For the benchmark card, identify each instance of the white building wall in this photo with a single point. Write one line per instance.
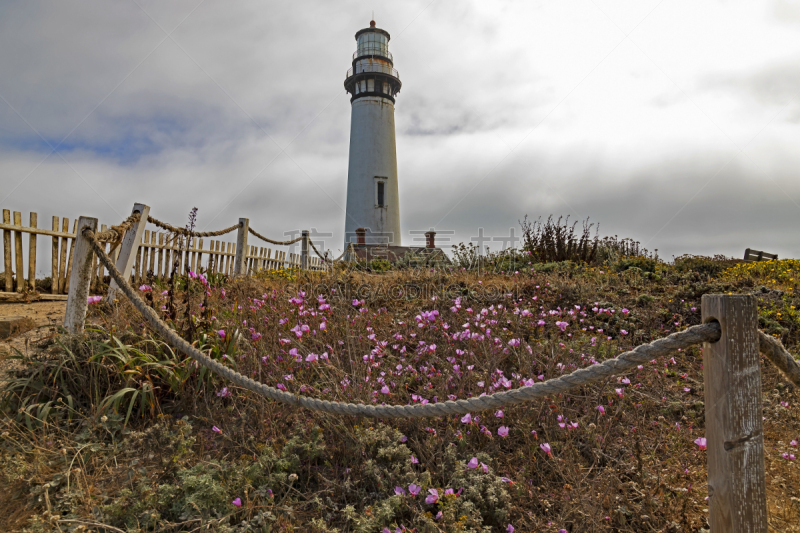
(373, 156)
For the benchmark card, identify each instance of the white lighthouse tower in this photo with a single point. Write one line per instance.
(372, 192)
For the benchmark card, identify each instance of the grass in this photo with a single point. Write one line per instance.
(114, 428)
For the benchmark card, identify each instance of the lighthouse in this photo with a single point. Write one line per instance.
(373, 205)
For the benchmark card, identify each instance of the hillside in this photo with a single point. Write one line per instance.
(112, 431)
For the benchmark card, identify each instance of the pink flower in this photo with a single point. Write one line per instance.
(793, 443)
(562, 325)
(237, 502)
(473, 463)
(623, 332)
(312, 357)
(414, 489)
(510, 528)
(94, 299)
(414, 460)
(601, 409)
(502, 431)
(467, 418)
(485, 468)
(546, 448)
(513, 342)
(788, 456)
(499, 414)
(224, 392)
(215, 429)
(145, 288)
(256, 336)
(221, 333)
(433, 496)
(400, 491)
(701, 443)
(620, 392)
(385, 389)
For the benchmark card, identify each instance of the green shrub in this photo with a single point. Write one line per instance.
(645, 264)
(712, 266)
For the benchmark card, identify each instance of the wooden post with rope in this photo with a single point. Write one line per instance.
(240, 266)
(77, 301)
(304, 251)
(129, 248)
(734, 431)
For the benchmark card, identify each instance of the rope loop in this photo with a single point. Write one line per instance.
(189, 233)
(324, 258)
(115, 234)
(277, 243)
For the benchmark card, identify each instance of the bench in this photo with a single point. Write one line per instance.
(755, 255)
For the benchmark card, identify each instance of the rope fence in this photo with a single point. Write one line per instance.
(731, 372)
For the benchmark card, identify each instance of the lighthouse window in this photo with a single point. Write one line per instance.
(381, 194)
(370, 85)
(385, 88)
(363, 86)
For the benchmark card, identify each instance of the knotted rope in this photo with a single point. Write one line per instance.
(278, 243)
(624, 362)
(115, 234)
(189, 233)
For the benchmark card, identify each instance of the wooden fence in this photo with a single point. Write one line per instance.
(154, 256)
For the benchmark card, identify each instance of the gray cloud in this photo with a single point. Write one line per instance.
(507, 109)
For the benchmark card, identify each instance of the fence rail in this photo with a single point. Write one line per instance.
(154, 256)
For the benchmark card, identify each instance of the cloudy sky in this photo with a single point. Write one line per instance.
(676, 123)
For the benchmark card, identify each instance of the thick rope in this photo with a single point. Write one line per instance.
(189, 233)
(780, 357)
(624, 362)
(278, 243)
(115, 234)
(324, 258)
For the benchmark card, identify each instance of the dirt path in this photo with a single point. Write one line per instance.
(42, 314)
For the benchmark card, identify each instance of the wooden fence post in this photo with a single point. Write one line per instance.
(240, 266)
(734, 432)
(77, 301)
(304, 251)
(32, 253)
(129, 249)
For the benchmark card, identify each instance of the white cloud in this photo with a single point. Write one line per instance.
(615, 110)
